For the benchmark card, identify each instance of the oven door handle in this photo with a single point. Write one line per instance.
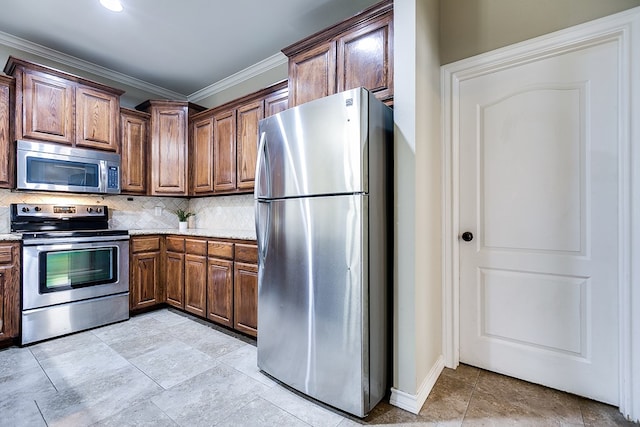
(71, 240)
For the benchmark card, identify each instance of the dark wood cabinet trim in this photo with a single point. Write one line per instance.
(13, 63)
(7, 131)
(361, 19)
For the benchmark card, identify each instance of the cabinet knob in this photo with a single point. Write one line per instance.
(467, 236)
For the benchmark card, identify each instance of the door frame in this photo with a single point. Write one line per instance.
(624, 29)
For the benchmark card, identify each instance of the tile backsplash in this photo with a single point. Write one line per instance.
(142, 212)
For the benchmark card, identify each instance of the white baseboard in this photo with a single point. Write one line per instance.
(413, 402)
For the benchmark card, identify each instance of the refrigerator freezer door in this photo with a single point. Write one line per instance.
(316, 148)
(311, 298)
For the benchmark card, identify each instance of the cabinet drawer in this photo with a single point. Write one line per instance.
(196, 246)
(6, 255)
(247, 253)
(145, 244)
(175, 244)
(221, 250)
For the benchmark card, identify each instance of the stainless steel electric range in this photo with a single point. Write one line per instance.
(75, 273)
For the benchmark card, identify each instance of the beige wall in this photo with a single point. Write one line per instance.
(470, 27)
(418, 283)
(246, 87)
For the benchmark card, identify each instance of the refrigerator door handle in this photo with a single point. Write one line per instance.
(263, 222)
(261, 163)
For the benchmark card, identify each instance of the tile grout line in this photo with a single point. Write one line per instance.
(44, 372)
(41, 414)
(475, 385)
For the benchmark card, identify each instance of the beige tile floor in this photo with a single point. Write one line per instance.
(165, 368)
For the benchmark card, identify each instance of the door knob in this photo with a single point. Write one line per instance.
(467, 236)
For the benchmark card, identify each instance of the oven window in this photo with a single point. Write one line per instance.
(62, 270)
(61, 172)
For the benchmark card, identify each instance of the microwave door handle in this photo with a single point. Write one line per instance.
(102, 184)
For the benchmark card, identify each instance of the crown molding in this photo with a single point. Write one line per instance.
(263, 66)
(71, 61)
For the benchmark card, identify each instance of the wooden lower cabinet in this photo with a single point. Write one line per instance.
(195, 277)
(9, 291)
(145, 284)
(245, 289)
(213, 279)
(220, 282)
(220, 291)
(174, 271)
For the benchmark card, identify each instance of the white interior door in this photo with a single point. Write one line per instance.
(538, 176)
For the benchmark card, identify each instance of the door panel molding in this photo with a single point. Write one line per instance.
(623, 29)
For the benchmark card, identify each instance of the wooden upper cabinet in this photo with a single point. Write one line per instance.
(169, 121)
(47, 108)
(247, 143)
(276, 102)
(353, 53)
(223, 142)
(312, 74)
(224, 151)
(97, 119)
(134, 134)
(58, 107)
(201, 155)
(365, 58)
(7, 147)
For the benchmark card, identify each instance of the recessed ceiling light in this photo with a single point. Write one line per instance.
(112, 5)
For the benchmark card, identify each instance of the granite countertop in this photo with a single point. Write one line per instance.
(222, 233)
(16, 236)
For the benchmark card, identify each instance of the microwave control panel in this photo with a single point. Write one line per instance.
(113, 177)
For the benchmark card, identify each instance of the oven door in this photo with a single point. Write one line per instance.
(61, 272)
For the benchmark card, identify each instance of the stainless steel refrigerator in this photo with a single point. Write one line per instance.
(323, 199)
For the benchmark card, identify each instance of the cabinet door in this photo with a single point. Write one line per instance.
(248, 117)
(47, 108)
(195, 284)
(276, 102)
(220, 291)
(134, 139)
(246, 298)
(174, 278)
(224, 151)
(201, 155)
(169, 151)
(97, 119)
(7, 152)
(365, 58)
(312, 74)
(9, 291)
(145, 280)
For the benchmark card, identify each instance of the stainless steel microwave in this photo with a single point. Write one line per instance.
(53, 167)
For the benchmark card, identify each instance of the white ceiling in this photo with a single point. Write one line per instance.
(183, 46)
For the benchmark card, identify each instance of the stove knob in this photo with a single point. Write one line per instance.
(98, 210)
(89, 210)
(25, 209)
(37, 209)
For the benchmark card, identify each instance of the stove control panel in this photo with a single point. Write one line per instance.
(60, 211)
